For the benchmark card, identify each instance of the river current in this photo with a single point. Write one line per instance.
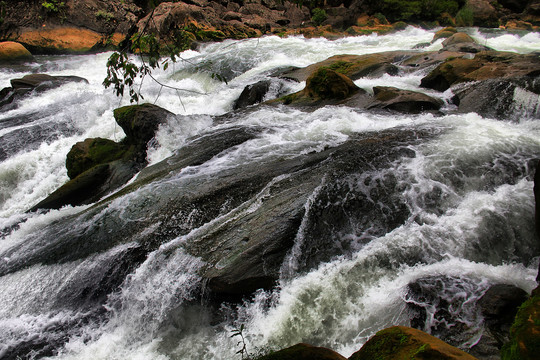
(478, 232)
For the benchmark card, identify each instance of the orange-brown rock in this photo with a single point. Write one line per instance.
(12, 51)
(483, 66)
(61, 40)
(403, 343)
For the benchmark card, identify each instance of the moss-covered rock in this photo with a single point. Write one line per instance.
(86, 154)
(140, 122)
(444, 33)
(403, 343)
(303, 352)
(326, 83)
(525, 331)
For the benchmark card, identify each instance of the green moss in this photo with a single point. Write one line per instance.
(525, 332)
(400, 25)
(210, 35)
(125, 113)
(93, 152)
(465, 17)
(341, 67)
(318, 16)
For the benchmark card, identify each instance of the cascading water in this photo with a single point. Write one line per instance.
(451, 200)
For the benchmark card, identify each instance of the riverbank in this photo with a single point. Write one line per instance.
(82, 26)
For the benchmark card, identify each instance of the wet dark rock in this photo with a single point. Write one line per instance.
(241, 256)
(33, 83)
(404, 101)
(438, 305)
(252, 94)
(536, 191)
(140, 123)
(499, 306)
(511, 103)
(323, 87)
(303, 352)
(399, 342)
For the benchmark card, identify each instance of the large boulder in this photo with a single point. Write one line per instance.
(525, 331)
(462, 42)
(86, 154)
(483, 66)
(12, 51)
(405, 101)
(513, 101)
(303, 352)
(401, 342)
(444, 33)
(140, 123)
(62, 40)
(326, 86)
(353, 66)
(90, 186)
(499, 306)
(99, 166)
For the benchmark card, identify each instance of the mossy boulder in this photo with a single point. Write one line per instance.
(326, 83)
(403, 343)
(12, 51)
(444, 33)
(303, 352)
(353, 66)
(86, 154)
(525, 331)
(140, 122)
(461, 42)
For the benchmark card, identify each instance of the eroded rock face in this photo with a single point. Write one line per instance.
(400, 342)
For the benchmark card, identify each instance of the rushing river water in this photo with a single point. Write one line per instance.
(467, 192)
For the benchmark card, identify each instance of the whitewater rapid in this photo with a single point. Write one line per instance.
(480, 234)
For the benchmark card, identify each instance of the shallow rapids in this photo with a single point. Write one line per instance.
(455, 201)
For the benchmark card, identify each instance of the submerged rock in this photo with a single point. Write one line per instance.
(400, 342)
(252, 94)
(405, 101)
(34, 83)
(303, 352)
